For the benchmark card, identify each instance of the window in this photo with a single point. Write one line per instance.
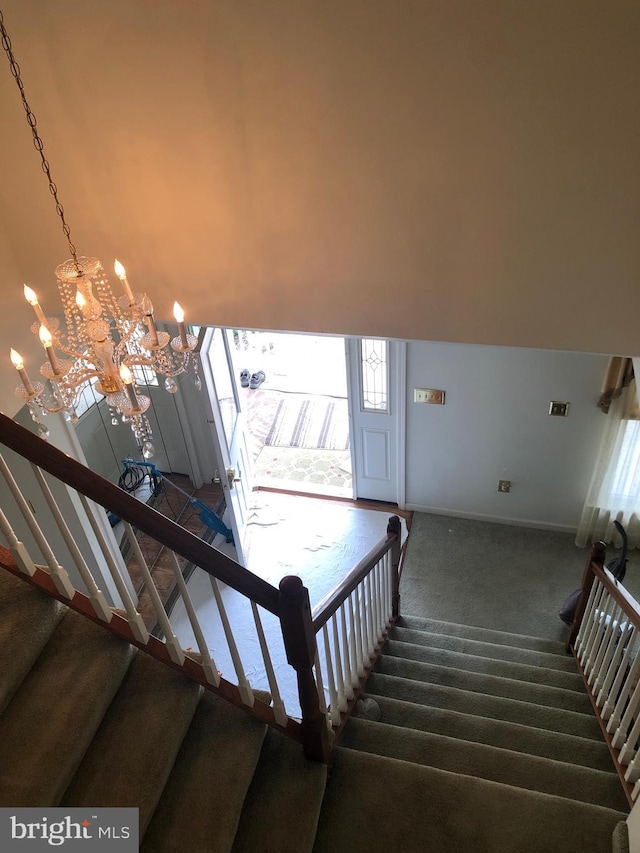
(374, 366)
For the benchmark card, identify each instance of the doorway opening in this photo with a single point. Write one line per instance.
(293, 391)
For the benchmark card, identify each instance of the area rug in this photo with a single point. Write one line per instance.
(310, 423)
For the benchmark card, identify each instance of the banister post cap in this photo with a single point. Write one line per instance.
(291, 586)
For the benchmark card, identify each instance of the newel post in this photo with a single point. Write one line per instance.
(596, 555)
(394, 528)
(300, 646)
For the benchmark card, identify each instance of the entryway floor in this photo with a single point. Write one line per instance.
(319, 540)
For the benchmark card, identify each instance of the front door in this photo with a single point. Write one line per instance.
(228, 434)
(376, 405)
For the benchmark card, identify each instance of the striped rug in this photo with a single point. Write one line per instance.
(310, 422)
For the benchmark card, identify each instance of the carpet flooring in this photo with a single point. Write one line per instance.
(484, 739)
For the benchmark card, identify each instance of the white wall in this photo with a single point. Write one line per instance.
(494, 425)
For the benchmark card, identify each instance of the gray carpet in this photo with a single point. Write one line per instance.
(486, 741)
(492, 575)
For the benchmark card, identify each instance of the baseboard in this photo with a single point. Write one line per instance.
(492, 519)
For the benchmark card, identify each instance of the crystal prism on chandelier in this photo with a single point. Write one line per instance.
(107, 337)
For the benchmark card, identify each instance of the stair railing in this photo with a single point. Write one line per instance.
(605, 641)
(353, 619)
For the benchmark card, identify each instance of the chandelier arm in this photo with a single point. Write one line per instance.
(37, 141)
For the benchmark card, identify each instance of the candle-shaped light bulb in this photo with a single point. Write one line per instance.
(47, 342)
(122, 275)
(18, 363)
(127, 379)
(147, 308)
(45, 336)
(32, 299)
(125, 374)
(80, 300)
(178, 313)
(16, 359)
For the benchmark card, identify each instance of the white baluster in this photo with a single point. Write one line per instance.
(361, 610)
(627, 711)
(334, 710)
(208, 664)
(342, 698)
(632, 773)
(17, 548)
(58, 574)
(176, 652)
(136, 622)
(368, 603)
(348, 674)
(604, 620)
(357, 667)
(612, 699)
(379, 607)
(243, 684)
(387, 589)
(597, 627)
(625, 640)
(586, 620)
(611, 631)
(636, 791)
(591, 618)
(322, 699)
(279, 711)
(628, 750)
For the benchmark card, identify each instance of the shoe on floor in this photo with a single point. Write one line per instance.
(257, 379)
(245, 378)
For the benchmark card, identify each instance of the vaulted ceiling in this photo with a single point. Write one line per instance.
(460, 170)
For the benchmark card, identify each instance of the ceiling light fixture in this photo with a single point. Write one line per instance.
(106, 337)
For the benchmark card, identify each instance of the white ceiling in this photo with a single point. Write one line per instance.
(432, 169)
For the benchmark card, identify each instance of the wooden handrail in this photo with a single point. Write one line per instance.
(168, 533)
(324, 610)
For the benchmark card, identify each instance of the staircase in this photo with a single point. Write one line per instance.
(486, 742)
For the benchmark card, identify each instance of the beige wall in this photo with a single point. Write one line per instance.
(447, 170)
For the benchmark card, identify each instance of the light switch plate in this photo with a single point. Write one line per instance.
(428, 395)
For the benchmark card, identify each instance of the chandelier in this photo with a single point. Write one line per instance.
(106, 337)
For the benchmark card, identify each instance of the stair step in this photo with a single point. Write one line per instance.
(80, 668)
(449, 811)
(494, 707)
(133, 751)
(201, 804)
(497, 651)
(532, 772)
(486, 635)
(500, 733)
(488, 666)
(286, 789)
(494, 685)
(28, 617)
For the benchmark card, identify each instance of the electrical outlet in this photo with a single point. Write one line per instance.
(504, 485)
(559, 409)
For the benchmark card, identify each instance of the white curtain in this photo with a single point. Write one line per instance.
(614, 493)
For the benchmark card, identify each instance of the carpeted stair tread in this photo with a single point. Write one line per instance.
(497, 651)
(367, 793)
(80, 669)
(282, 806)
(488, 762)
(28, 617)
(620, 838)
(494, 707)
(486, 635)
(133, 751)
(500, 733)
(488, 666)
(201, 803)
(494, 685)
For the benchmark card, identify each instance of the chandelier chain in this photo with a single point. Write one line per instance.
(37, 141)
